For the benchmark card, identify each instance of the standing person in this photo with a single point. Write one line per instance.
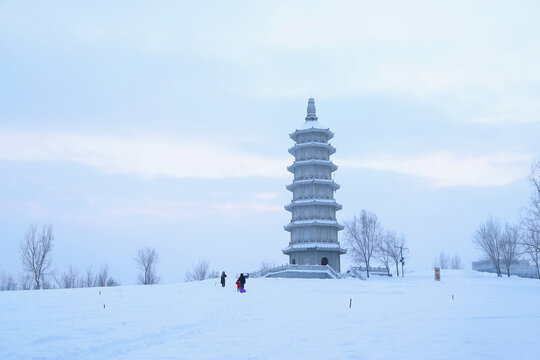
(242, 281)
(223, 276)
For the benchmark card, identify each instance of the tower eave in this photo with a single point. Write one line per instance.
(296, 183)
(319, 202)
(327, 131)
(331, 149)
(333, 167)
(333, 247)
(313, 222)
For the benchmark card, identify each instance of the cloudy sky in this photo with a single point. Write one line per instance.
(132, 124)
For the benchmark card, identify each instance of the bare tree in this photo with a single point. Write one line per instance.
(36, 252)
(510, 251)
(391, 247)
(531, 219)
(531, 246)
(201, 271)
(363, 234)
(531, 216)
(146, 260)
(456, 262)
(488, 238)
(387, 250)
(443, 261)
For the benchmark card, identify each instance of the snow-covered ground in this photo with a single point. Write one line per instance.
(390, 318)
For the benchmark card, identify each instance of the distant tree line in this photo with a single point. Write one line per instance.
(505, 244)
(444, 261)
(36, 257)
(368, 243)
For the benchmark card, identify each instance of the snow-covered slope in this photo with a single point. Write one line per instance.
(390, 318)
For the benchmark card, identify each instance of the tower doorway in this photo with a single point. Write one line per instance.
(324, 261)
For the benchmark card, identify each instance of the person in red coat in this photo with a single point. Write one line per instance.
(241, 281)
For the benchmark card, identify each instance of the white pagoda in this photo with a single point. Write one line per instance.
(313, 227)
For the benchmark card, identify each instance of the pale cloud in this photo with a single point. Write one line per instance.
(174, 211)
(265, 196)
(244, 207)
(471, 67)
(145, 156)
(447, 169)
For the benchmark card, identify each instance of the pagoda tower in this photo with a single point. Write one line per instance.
(313, 227)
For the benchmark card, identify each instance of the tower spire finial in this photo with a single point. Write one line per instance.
(311, 112)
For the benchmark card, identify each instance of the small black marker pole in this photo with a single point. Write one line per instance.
(350, 303)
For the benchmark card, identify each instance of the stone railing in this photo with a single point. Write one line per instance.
(317, 268)
(380, 270)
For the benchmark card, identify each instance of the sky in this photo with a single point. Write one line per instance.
(134, 124)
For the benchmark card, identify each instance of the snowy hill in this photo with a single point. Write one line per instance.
(390, 318)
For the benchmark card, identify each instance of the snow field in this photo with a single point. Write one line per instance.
(406, 318)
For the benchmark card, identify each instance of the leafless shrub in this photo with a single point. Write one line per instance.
(25, 281)
(46, 282)
(146, 260)
(266, 265)
(103, 278)
(36, 252)
(201, 271)
(89, 279)
(7, 282)
(68, 279)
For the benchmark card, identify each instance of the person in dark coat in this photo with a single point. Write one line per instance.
(242, 281)
(223, 276)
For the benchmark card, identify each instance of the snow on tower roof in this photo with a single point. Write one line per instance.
(312, 122)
